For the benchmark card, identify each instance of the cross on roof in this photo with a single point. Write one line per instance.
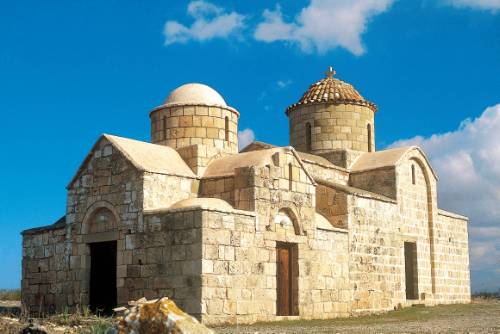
(330, 72)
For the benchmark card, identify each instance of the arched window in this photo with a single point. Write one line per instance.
(369, 132)
(308, 137)
(226, 127)
(290, 177)
(413, 180)
(102, 220)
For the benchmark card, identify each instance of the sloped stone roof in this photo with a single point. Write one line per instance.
(332, 90)
(59, 224)
(385, 158)
(226, 165)
(323, 223)
(146, 157)
(151, 157)
(257, 145)
(203, 202)
(378, 159)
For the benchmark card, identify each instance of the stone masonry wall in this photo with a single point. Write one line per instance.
(332, 127)
(417, 201)
(379, 181)
(180, 126)
(220, 187)
(161, 191)
(341, 157)
(240, 266)
(106, 180)
(165, 259)
(239, 270)
(452, 259)
(327, 173)
(45, 285)
(332, 204)
(376, 267)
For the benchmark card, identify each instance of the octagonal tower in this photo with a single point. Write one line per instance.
(332, 115)
(195, 114)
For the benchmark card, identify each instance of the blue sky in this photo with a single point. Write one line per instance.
(71, 70)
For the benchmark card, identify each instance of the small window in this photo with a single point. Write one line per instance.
(308, 137)
(226, 127)
(290, 177)
(164, 128)
(413, 181)
(369, 133)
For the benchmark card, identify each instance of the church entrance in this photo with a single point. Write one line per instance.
(411, 272)
(102, 297)
(286, 276)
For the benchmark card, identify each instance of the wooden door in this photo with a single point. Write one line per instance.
(284, 280)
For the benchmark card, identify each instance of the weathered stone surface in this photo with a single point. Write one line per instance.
(159, 316)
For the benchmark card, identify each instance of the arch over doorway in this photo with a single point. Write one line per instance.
(287, 216)
(430, 216)
(100, 217)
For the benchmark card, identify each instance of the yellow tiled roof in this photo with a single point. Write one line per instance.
(332, 90)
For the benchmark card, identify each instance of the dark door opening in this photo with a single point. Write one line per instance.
(411, 272)
(286, 275)
(102, 277)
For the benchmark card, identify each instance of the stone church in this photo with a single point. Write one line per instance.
(326, 227)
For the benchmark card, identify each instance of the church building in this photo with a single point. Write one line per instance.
(325, 227)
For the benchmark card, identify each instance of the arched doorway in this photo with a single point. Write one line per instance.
(103, 254)
(287, 268)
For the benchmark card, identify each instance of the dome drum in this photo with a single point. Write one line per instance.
(332, 115)
(189, 117)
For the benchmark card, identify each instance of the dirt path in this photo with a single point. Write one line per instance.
(479, 317)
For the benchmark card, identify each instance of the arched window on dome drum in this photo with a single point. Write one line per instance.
(226, 127)
(413, 180)
(308, 137)
(369, 132)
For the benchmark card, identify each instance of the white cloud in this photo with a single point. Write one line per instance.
(283, 83)
(476, 4)
(322, 25)
(210, 21)
(467, 162)
(245, 137)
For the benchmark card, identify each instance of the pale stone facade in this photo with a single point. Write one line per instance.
(325, 228)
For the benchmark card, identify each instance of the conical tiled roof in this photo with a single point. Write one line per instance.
(332, 90)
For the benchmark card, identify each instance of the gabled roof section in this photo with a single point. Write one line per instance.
(151, 158)
(226, 165)
(256, 146)
(145, 157)
(385, 158)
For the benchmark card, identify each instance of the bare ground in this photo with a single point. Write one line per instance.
(481, 316)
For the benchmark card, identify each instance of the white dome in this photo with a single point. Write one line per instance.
(195, 93)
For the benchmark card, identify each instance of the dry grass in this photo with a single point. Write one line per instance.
(10, 294)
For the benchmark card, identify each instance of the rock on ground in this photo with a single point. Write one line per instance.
(159, 316)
